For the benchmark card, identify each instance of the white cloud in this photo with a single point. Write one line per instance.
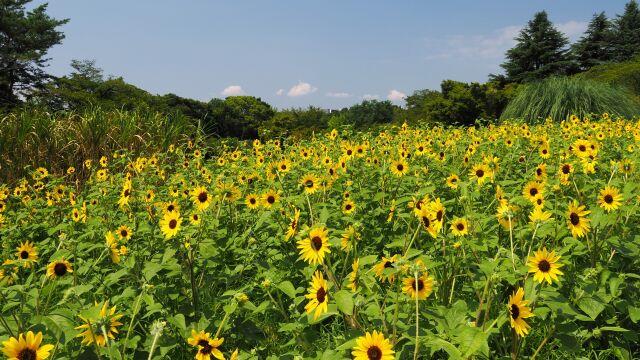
(232, 90)
(370, 97)
(338, 94)
(301, 89)
(395, 95)
(490, 46)
(280, 92)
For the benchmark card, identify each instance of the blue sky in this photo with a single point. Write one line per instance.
(298, 53)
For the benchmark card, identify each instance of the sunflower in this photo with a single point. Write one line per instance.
(518, 311)
(399, 167)
(293, 225)
(195, 219)
(112, 244)
(423, 288)
(310, 183)
(576, 219)
(532, 190)
(353, 276)
(284, 166)
(480, 172)
(207, 347)
(539, 215)
(610, 198)
(384, 264)
(124, 232)
(8, 272)
(452, 181)
(26, 347)
(315, 246)
(269, 198)
(318, 296)
(460, 227)
(348, 206)
(428, 220)
(201, 198)
(58, 268)
(373, 346)
(252, 201)
(170, 224)
(349, 236)
(94, 330)
(545, 266)
(27, 254)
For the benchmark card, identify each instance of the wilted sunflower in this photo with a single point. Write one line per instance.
(170, 224)
(269, 198)
(373, 346)
(545, 266)
(384, 264)
(610, 198)
(518, 311)
(314, 247)
(422, 289)
(353, 276)
(207, 347)
(94, 330)
(318, 296)
(201, 198)
(26, 347)
(59, 268)
(576, 219)
(27, 254)
(310, 183)
(294, 225)
(399, 167)
(460, 227)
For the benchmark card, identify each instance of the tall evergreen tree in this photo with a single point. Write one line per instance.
(627, 32)
(25, 38)
(541, 51)
(595, 46)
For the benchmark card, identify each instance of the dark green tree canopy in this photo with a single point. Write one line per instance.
(626, 41)
(541, 51)
(594, 48)
(25, 38)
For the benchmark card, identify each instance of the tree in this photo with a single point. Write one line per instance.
(25, 38)
(369, 112)
(239, 116)
(541, 51)
(594, 48)
(627, 32)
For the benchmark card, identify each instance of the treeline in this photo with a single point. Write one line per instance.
(541, 51)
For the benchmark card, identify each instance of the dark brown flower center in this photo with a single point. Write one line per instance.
(309, 183)
(27, 354)
(544, 266)
(425, 221)
(60, 269)
(388, 264)
(420, 284)
(460, 226)
(582, 148)
(515, 311)
(321, 295)
(206, 347)
(203, 197)
(439, 215)
(566, 169)
(575, 219)
(252, 201)
(173, 223)
(533, 191)
(374, 353)
(316, 241)
(170, 208)
(400, 167)
(24, 254)
(348, 207)
(608, 198)
(271, 199)
(479, 173)
(124, 233)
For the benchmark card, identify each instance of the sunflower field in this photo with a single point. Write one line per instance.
(501, 241)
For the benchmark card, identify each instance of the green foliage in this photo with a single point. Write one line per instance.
(595, 47)
(367, 113)
(561, 97)
(32, 136)
(541, 51)
(627, 32)
(25, 38)
(625, 74)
